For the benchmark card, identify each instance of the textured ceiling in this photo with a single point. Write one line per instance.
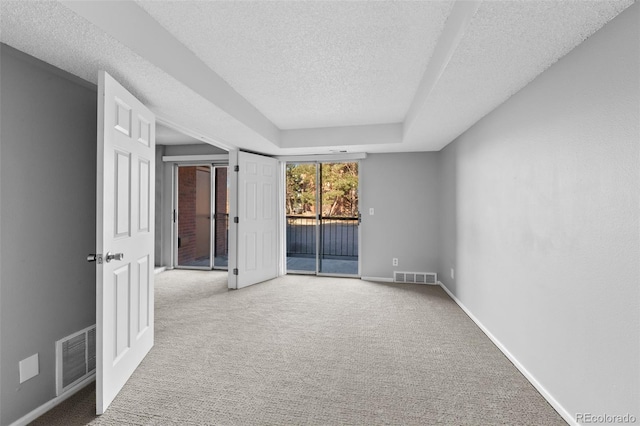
(317, 65)
(313, 64)
(506, 45)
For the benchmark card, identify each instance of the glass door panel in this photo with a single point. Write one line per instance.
(301, 217)
(194, 217)
(221, 215)
(339, 219)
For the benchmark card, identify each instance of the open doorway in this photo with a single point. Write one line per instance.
(178, 147)
(322, 232)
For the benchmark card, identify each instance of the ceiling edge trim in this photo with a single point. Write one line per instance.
(192, 158)
(342, 136)
(190, 132)
(348, 156)
(131, 25)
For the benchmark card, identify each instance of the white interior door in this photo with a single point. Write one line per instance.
(125, 226)
(254, 239)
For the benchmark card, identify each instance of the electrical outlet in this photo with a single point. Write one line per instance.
(395, 261)
(28, 368)
(452, 274)
(371, 211)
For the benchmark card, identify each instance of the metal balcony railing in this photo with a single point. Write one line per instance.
(338, 236)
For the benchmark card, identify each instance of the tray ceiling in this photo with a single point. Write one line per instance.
(285, 77)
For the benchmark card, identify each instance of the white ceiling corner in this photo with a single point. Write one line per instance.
(53, 33)
(130, 25)
(506, 45)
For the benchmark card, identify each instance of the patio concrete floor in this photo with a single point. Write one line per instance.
(327, 266)
(296, 264)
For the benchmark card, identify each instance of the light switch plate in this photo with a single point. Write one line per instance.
(29, 368)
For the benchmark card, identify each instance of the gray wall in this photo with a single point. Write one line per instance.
(540, 221)
(403, 190)
(47, 222)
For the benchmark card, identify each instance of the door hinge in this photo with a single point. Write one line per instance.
(174, 215)
(236, 168)
(235, 271)
(236, 219)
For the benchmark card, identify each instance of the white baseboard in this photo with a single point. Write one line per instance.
(377, 279)
(546, 395)
(29, 417)
(159, 269)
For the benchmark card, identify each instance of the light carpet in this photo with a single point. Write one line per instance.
(316, 351)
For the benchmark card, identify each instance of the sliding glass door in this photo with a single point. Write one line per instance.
(202, 216)
(194, 217)
(339, 219)
(322, 218)
(221, 218)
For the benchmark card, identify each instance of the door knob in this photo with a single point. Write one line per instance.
(114, 256)
(95, 258)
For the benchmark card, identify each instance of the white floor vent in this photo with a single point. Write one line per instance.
(75, 358)
(415, 277)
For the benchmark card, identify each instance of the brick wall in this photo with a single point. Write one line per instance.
(186, 214)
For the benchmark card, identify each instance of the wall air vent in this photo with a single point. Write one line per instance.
(415, 277)
(75, 358)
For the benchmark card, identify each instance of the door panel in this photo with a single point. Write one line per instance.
(253, 256)
(194, 217)
(122, 196)
(143, 191)
(301, 215)
(143, 294)
(121, 288)
(339, 220)
(125, 222)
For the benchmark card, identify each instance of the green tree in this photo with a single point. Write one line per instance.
(339, 189)
(301, 188)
